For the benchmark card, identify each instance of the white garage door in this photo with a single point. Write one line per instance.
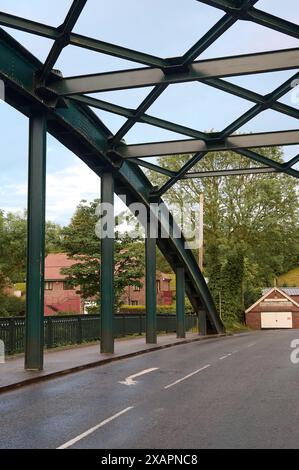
(276, 319)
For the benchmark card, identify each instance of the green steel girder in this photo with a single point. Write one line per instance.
(79, 129)
(236, 10)
(204, 69)
(232, 142)
(78, 40)
(231, 172)
(63, 40)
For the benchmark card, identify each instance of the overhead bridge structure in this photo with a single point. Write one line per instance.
(62, 106)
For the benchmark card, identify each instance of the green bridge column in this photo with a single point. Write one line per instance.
(34, 334)
(151, 289)
(202, 323)
(180, 302)
(107, 265)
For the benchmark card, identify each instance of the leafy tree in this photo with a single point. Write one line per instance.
(252, 215)
(82, 245)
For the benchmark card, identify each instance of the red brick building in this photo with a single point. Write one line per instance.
(136, 296)
(60, 297)
(277, 308)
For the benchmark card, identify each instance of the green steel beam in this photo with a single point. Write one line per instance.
(180, 174)
(150, 286)
(226, 22)
(107, 266)
(146, 103)
(145, 118)
(65, 29)
(258, 108)
(231, 172)
(153, 167)
(78, 40)
(232, 142)
(180, 302)
(291, 162)
(280, 167)
(34, 343)
(204, 69)
(258, 16)
(202, 323)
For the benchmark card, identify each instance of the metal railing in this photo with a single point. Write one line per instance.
(77, 329)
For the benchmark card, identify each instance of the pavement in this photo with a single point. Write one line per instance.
(66, 361)
(231, 392)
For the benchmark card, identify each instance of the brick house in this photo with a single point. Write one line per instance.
(134, 295)
(277, 308)
(59, 296)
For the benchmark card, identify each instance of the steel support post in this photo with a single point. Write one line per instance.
(180, 302)
(107, 263)
(151, 289)
(34, 342)
(202, 323)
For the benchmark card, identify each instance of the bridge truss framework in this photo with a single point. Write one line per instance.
(62, 107)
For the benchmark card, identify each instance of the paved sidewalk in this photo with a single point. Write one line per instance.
(66, 361)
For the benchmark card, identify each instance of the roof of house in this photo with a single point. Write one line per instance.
(287, 290)
(53, 264)
(267, 291)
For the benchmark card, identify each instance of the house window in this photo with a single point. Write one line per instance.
(134, 302)
(67, 286)
(136, 289)
(48, 285)
(158, 285)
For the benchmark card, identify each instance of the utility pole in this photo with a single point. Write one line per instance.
(200, 253)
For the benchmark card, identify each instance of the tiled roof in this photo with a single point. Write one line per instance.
(291, 291)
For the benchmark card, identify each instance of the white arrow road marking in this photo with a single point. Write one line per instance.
(130, 380)
(187, 376)
(91, 430)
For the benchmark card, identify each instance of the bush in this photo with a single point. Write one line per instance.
(160, 309)
(11, 306)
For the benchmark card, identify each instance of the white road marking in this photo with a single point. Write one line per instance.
(130, 380)
(187, 376)
(249, 345)
(224, 357)
(91, 430)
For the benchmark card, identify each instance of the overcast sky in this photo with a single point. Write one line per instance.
(161, 27)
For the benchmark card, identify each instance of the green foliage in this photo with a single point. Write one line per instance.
(82, 245)
(11, 306)
(251, 231)
(13, 246)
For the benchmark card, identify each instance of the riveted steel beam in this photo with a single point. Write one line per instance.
(150, 286)
(107, 265)
(78, 40)
(180, 302)
(204, 69)
(232, 142)
(253, 14)
(64, 37)
(230, 172)
(34, 327)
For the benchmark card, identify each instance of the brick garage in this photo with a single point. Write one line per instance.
(277, 308)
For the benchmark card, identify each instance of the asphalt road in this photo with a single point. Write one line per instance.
(233, 392)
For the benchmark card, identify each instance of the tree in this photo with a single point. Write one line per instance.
(82, 245)
(252, 215)
(13, 245)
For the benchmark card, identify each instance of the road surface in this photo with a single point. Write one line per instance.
(232, 392)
